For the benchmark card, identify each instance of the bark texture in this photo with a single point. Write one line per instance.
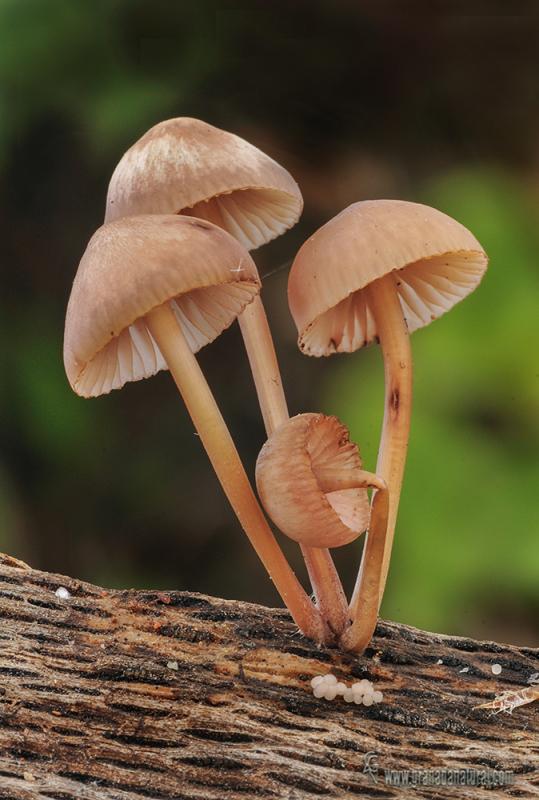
(131, 695)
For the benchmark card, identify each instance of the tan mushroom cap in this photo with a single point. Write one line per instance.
(186, 166)
(435, 262)
(135, 264)
(286, 478)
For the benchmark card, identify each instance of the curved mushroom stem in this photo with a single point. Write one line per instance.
(392, 331)
(226, 462)
(335, 480)
(365, 599)
(363, 610)
(326, 584)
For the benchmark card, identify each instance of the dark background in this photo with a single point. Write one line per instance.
(358, 100)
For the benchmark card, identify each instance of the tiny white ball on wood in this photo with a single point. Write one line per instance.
(62, 593)
(360, 687)
(377, 697)
(318, 679)
(331, 692)
(348, 696)
(496, 669)
(368, 699)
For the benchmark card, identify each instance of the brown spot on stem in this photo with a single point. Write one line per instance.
(395, 400)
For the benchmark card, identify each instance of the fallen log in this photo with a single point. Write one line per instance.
(132, 695)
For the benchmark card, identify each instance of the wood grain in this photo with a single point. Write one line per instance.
(131, 695)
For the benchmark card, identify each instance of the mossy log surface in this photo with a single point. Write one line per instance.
(129, 695)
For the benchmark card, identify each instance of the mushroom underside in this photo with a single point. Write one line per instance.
(252, 216)
(426, 288)
(328, 445)
(291, 491)
(133, 354)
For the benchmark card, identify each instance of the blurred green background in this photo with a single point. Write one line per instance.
(358, 100)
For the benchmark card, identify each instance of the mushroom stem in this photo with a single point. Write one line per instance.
(363, 610)
(325, 581)
(365, 599)
(392, 331)
(226, 462)
(264, 366)
(335, 480)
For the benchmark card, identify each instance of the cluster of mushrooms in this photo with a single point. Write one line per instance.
(170, 270)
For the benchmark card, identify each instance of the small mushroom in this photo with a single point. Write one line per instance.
(311, 482)
(376, 272)
(149, 292)
(186, 166)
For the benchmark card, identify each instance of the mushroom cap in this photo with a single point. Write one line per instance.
(435, 262)
(135, 264)
(186, 166)
(286, 478)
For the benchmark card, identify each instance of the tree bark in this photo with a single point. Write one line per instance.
(131, 695)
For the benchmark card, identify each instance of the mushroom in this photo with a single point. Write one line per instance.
(149, 292)
(311, 482)
(186, 166)
(376, 272)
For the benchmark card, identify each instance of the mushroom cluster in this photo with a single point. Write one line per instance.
(170, 269)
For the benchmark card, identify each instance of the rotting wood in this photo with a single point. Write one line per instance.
(131, 695)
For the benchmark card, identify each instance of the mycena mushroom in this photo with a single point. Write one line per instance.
(186, 166)
(312, 484)
(376, 272)
(149, 292)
